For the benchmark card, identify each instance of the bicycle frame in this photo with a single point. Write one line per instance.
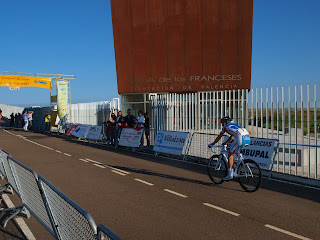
(224, 157)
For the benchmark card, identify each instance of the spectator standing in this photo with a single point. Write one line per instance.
(30, 119)
(140, 118)
(130, 119)
(47, 119)
(112, 127)
(12, 120)
(25, 119)
(140, 122)
(113, 118)
(119, 121)
(22, 119)
(107, 131)
(0, 115)
(16, 119)
(147, 128)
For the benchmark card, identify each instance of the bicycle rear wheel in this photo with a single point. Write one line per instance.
(217, 169)
(250, 176)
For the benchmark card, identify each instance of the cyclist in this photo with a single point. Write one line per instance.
(239, 136)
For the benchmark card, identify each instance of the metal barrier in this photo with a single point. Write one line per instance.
(27, 183)
(71, 221)
(8, 172)
(105, 234)
(198, 145)
(11, 186)
(62, 217)
(3, 155)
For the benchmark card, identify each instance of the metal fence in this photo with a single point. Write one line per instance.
(94, 113)
(289, 114)
(27, 183)
(38, 117)
(7, 110)
(62, 217)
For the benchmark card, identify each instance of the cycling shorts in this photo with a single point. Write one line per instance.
(239, 142)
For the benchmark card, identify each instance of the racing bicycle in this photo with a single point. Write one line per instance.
(246, 171)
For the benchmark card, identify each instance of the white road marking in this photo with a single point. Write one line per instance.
(38, 144)
(117, 169)
(120, 173)
(93, 161)
(99, 165)
(67, 154)
(222, 209)
(19, 221)
(58, 151)
(286, 232)
(175, 193)
(139, 180)
(83, 160)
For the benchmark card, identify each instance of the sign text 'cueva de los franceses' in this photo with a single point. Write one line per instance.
(191, 83)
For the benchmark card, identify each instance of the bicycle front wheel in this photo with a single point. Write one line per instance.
(217, 169)
(250, 176)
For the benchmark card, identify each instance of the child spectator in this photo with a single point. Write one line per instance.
(137, 127)
(125, 125)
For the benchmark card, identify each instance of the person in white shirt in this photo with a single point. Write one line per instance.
(141, 121)
(30, 119)
(25, 119)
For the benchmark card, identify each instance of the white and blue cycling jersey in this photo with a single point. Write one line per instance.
(241, 135)
(234, 129)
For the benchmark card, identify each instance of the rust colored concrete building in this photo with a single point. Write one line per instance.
(181, 46)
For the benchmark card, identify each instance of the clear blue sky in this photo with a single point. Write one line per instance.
(75, 37)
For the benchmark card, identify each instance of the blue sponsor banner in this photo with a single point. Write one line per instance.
(171, 142)
(261, 150)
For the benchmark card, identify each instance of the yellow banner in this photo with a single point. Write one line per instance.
(62, 100)
(25, 81)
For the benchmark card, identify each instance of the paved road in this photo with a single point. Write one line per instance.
(141, 197)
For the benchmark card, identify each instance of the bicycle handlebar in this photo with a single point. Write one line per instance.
(223, 146)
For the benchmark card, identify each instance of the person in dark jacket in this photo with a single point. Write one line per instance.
(147, 128)
(130, 119)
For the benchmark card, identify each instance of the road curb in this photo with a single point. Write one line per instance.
(295, 179)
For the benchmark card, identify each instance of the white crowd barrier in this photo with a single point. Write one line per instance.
(63, 218)
(185, 144)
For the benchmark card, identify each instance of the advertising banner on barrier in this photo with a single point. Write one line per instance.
(93, 132)
(130, 137)
(170, 142)
(80, 131)
(260, 150)
(71, 128)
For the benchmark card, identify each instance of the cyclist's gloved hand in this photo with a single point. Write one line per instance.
(210, 145)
